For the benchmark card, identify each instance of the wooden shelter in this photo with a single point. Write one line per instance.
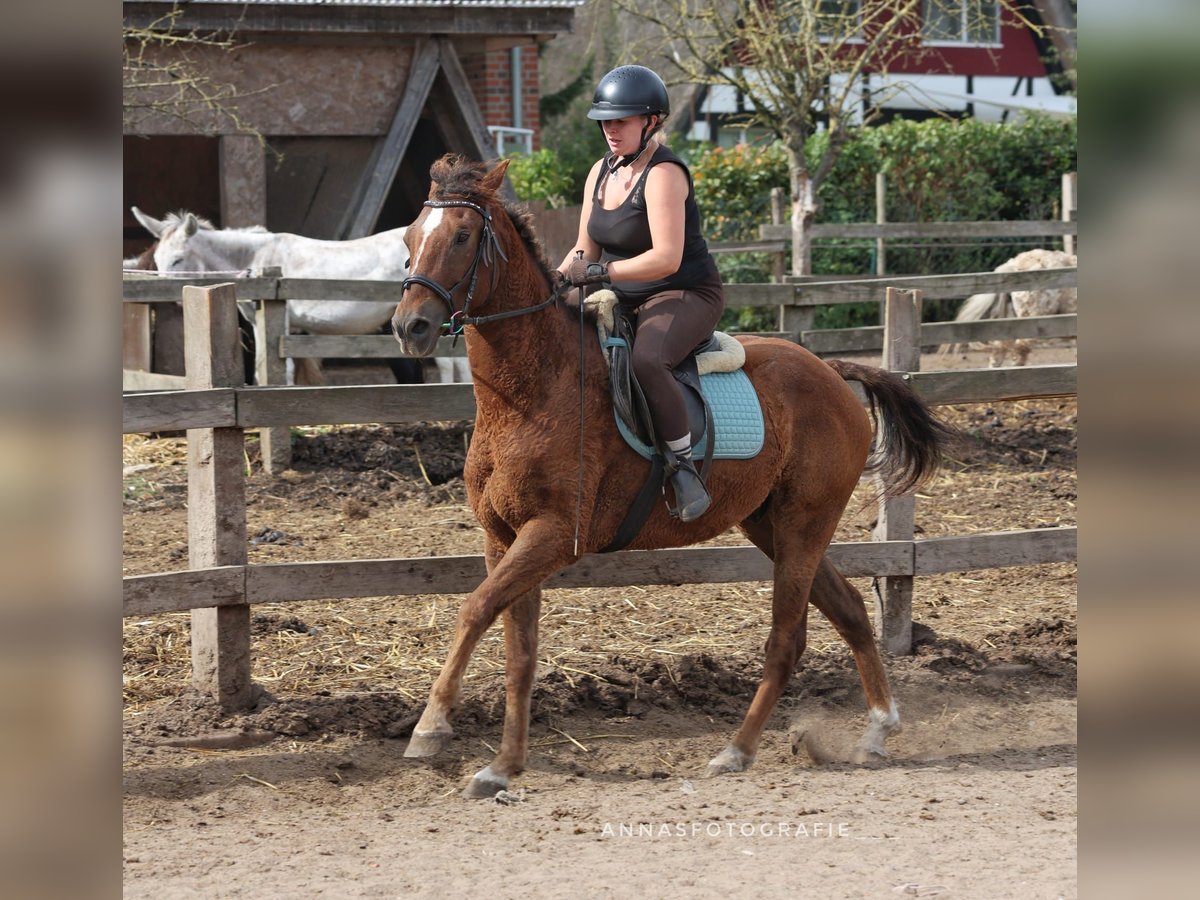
(355, 98)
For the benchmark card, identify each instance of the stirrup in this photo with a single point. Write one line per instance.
(692, 499)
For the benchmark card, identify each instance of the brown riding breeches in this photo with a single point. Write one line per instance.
(669, 326)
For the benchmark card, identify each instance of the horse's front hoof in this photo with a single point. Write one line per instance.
(429, 743)
(729, 760)
(485, 785)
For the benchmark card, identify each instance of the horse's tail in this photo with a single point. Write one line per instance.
(978, 307)
(910, 440)
(981, 306)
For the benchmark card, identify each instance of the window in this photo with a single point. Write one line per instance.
(962, 21)
(831, 19)
(833, 16)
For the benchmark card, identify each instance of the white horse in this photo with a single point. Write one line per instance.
(188, 243)
(1022, 304)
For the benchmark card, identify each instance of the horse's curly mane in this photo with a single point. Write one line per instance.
(457, 176)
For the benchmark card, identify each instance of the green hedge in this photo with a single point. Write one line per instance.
(937, 171)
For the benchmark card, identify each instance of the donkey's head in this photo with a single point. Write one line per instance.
(177, 251)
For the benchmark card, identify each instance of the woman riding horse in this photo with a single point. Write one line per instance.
(639, 234)
(548, 491)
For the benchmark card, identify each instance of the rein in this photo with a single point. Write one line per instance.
(486, 252)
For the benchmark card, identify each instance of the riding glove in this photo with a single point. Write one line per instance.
(581, 272)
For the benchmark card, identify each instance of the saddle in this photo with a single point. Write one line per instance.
(718, 353)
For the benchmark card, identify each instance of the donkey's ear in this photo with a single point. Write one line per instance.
(495, 177)
(155, 226)
(190, 224)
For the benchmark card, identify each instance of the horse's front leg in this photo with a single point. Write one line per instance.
(520, 665)
(539, 550)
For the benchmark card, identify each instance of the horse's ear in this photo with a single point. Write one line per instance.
(495, 177)
(190, 224)
(155, 226)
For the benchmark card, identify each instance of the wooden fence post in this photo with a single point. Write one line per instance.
(778, 260)
(880, 219)
(135, 336)
(270, 325)
(893, 594)
(1070, 206)
(217, 497)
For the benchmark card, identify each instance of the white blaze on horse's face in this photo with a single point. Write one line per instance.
(432, 221)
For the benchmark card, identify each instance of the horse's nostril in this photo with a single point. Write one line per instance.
(418, 327)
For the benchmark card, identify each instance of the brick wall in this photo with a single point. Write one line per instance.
(490, 76)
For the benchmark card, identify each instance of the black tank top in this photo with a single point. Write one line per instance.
(624, 232)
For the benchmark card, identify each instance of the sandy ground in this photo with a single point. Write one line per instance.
(310, 795)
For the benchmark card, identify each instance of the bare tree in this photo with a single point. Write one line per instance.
(161, 77)
(800, 65)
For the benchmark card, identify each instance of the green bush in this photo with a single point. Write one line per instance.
(937, 171)
(540, 176)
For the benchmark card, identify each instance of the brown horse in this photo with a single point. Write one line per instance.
(475, 260)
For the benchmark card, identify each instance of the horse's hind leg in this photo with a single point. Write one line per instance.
(1020, 351)
(834, 596)
(789, 629)
(520, 664)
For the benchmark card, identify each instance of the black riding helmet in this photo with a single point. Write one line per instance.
(631, 91)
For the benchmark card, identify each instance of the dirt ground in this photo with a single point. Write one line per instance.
(310, 795)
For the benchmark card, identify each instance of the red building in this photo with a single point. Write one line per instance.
(970, 58)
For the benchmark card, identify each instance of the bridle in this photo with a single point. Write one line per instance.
(486, 252)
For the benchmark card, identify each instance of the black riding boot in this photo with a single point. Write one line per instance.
(691, 496)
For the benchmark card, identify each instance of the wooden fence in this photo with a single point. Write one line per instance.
(220, 586)
(776, 238)
(798, 300)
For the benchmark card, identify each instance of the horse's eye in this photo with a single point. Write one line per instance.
(462, 237)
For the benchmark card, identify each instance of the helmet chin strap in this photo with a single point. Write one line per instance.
(647, 133)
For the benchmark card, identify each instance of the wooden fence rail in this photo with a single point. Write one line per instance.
(829, 341)
(812, 291)
(260, 407)
(294, 582)
(925, 230)
(220, 586)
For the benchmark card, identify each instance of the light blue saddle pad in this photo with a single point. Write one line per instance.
(736, 412)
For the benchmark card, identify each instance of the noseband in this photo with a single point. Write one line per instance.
(487, 250)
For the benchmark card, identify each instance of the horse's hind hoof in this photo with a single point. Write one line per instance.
(865, 756)
(430, 743)
(729, 760)
(485, 785)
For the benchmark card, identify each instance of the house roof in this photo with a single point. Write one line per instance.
(390, 18)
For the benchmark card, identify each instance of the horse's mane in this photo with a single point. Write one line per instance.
(460, 177)
(174, 218)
